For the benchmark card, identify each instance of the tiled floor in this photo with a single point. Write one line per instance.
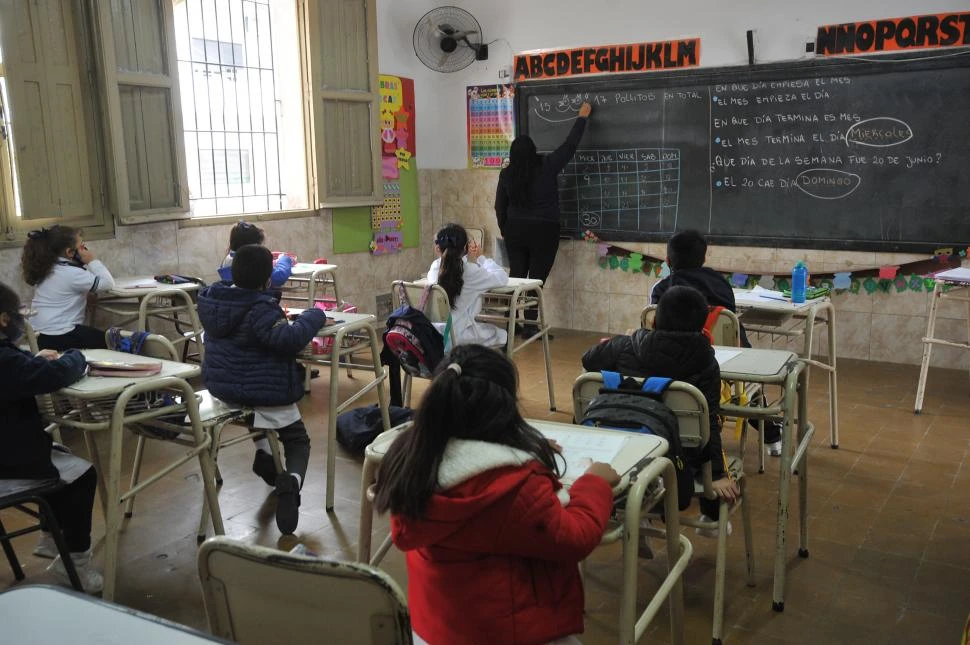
(889, 531)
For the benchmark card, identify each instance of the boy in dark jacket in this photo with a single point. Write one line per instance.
(250, 359)
(686, 254)
(675, 348)
(29, 453)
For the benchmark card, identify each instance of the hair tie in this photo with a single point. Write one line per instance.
(38, 235)
(455, 367)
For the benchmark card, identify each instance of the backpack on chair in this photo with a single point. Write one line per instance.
(411, 337)
(625, 404)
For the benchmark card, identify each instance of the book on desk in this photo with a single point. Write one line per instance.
(124, 369)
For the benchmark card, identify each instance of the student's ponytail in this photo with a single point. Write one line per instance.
(42, 250)
(472, 396)
(452, 241)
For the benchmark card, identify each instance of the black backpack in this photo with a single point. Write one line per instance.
(358, 427)
(413, 340)
(624, 404)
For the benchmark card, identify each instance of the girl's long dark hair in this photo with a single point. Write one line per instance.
(452, 240)
(524, 161)
(245, 233)
(42, 250)
(479, 403)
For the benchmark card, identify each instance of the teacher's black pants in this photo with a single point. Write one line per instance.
(532, 246)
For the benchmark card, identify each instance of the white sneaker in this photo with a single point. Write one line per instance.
(91, 578)
(712, 532)
(774, 449)
(45, 547)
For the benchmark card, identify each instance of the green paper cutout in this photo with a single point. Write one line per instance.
(928, 283)
(602, 261)
(782, 284)
(625, 264)
(900, 283)
(856, 286)
(636, 262)
(885, 284)
(915, 283)
(870, 285)
(614, 262)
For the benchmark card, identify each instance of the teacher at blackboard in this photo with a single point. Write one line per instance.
(527, 205)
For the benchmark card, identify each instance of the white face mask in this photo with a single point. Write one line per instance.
(664, 270)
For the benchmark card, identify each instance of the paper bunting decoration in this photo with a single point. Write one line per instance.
(664, 271)
(947, 251)
(739, 280)
(602, 249)
(901, 284)
(928, 283)
(884, 285)
(842, 280)
(887, 272)
(856, 285)
(636, 262)
(625, 264)
(614, 261)
(915, 283)
(870, 285)
(782, 284)
(767, 282)
(604, 261)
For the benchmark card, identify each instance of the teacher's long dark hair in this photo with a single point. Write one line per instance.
(452, 241)
(472, 396)
(524, 162)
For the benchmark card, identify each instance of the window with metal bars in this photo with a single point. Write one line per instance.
(242, 105)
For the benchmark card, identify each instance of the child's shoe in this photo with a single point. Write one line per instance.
(91, 578)
(712, 532)
(45, 547)
(287, 503)
(774, 448)
(264, 467)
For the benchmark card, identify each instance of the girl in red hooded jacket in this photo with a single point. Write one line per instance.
(492, 539)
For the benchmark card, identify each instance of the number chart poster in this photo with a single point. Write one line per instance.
(491, 125)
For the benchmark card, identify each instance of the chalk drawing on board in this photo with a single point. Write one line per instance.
(827, 183)
(878, 132)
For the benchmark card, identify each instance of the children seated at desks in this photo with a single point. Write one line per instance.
(492, 539)
(465, 275)
(29, 453)
(250, 360)
(64, 273)
(676, 348)
(686, 254)
(245, 233)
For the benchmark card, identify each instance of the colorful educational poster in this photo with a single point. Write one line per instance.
(491, 125)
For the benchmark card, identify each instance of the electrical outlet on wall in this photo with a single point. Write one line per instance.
(385, 305)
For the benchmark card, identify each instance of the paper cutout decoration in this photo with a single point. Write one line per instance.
(403, 159)
(625, 264)
(490, 112)
(636, 262)
(870, 285)
(388, 214)
(614, 261)
(887, 272)
(915, 283)
(386, 242)
(603, 261)
(856, 285)
(842, 280)
(739, 280)
(946, 251)
(767, 281)
(602, 249)
(901, 283)
(389, 169)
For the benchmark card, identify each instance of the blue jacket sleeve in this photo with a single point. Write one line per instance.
(281, 272)
(559, 157)
(272, 329)
(24, 375)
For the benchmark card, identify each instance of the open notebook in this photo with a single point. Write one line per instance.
(126, 369)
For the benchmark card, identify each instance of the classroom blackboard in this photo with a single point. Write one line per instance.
(856, 154)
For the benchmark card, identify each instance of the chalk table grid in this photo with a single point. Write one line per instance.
(636, 189)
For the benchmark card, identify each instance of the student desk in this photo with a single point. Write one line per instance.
(307, 278)
(136, 299)
(640, 461)
(39, 614)
(501, 306)
(361, 328)
(950, 285)
(769, 316)
(98, 404)
(787, 370)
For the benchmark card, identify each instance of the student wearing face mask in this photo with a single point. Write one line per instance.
(63, 272)
(28, 451)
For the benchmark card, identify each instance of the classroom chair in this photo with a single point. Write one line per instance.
(255, 594)
(437, 308)
(726, 331)
(45, 403)
(693, 420)
(476, 235)
(167, 304)
(215, 415)
(17, 493)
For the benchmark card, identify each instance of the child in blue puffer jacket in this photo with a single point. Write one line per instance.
(245, 233)
(250, 359)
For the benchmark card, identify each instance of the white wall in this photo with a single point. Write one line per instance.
(782, 28)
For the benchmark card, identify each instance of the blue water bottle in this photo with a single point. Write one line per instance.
(799, 283)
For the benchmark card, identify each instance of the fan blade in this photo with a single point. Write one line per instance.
(444, 59)
(463, 35)
(433, 27)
